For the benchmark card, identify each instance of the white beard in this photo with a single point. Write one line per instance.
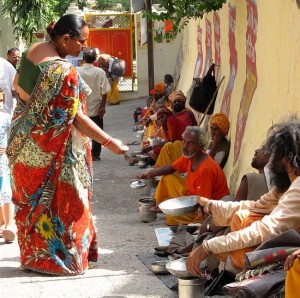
(189, 156)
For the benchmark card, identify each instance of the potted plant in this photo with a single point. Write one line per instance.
(39, 34)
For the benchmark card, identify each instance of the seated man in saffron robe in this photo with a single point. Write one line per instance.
(219, 145)
(204, 176)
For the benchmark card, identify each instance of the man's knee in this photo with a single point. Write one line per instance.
(238, 219)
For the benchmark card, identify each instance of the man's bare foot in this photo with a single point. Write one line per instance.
(155, 209)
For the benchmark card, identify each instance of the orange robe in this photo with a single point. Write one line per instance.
(208, 180)
(292, 285)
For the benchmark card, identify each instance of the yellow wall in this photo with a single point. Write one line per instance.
(278, 72)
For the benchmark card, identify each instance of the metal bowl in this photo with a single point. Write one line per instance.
(159, 267)
(179, 206)
(136, 152)
(178, 268)
(138, 183)
(142, 156)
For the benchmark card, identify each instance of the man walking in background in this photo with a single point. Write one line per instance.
(13, 56)
(7, 75)
(95, 77)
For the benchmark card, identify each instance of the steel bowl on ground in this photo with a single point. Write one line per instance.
(159, 267)
(138, 183)
(179, 206)
(136, 152)
(178, 268)
(142, 156)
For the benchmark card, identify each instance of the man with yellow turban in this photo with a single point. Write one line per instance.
(219, 146)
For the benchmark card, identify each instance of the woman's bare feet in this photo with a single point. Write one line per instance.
(8, 235)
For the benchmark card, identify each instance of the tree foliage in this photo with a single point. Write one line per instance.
(63, 5)
(29, 16)
(111, 5)
(182, 11)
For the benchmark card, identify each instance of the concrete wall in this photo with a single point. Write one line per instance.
(165, 56)
(6, 36)
(259, 56)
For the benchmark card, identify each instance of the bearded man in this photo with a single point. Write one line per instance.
(204, 176)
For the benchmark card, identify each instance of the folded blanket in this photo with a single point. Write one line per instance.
(273, 250)
(264, 275)
(183, 242)
(180, 246)
(257, 287)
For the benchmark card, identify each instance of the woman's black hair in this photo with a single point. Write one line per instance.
(68, 24)
(283, 144)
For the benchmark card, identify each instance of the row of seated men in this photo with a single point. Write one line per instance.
(252, 213)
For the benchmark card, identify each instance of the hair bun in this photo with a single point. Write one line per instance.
(50, 28)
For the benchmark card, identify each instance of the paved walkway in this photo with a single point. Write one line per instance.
(121, 234)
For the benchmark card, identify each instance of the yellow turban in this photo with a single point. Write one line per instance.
(179, 95)
(160, 87)
(221, 121)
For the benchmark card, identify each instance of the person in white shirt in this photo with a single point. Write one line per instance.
(7, 75)
(96, 78)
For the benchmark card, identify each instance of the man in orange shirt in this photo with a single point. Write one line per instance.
(204, 176)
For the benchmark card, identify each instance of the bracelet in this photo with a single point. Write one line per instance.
(107, 142)
(206, 247)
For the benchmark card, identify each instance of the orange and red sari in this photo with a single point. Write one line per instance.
(51, 171)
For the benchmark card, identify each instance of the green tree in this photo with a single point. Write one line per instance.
(29, 16)
(63, 5)
(111, 5)
(182, 11)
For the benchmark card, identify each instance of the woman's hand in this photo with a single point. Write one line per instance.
(116, 146)
(194, 260)
(290, 259)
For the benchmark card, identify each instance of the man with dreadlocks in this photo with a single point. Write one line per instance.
(252, 223)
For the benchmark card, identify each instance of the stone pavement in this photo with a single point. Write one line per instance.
(121, 234)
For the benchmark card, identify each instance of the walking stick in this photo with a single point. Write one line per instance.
(211, 101)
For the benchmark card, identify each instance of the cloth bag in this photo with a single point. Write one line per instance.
(203, 92)
(117, 67)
